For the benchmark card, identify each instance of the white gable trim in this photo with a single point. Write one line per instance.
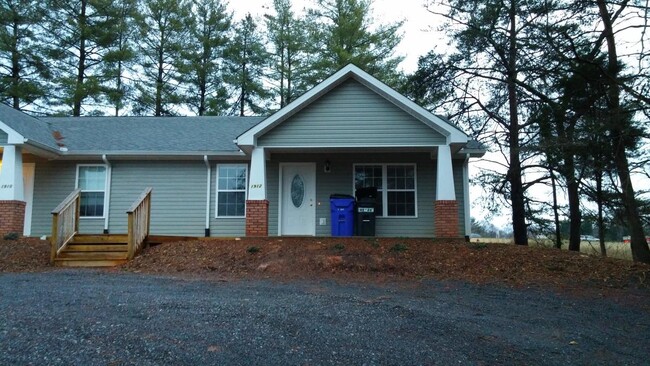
(454, 135)
(13, 137)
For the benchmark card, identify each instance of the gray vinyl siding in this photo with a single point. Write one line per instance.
(340, 180)
(53, 182)
(179, 192)
(3, 137)
(223, 226)
(177, 200)
(351, 115)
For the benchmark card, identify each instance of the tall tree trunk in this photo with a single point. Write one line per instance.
(573, 195)
(556, 214)
(599, 202)
(15, 64)
(159, 84)
(79, 92)
(519, 227)
(242, 97)
(618, 131)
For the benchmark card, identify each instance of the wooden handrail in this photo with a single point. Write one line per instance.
(139, 222)
(65, 223)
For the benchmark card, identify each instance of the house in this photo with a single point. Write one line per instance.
(236, 176)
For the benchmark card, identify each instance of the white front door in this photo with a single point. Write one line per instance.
(28, 191)
(298, 199)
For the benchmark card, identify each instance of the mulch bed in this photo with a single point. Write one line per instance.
(361, 259)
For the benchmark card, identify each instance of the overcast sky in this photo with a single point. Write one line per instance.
(416, 42)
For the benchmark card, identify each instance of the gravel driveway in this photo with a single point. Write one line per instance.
(103, 318)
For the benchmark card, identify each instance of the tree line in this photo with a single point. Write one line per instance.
(559, 89)
(168, 57)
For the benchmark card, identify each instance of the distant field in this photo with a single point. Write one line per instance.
(614, 249)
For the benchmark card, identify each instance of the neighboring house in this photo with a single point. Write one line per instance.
(233, 176)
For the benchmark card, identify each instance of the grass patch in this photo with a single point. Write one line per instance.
(253, 249)
(477, 246)
(339, 247)
(399, 248)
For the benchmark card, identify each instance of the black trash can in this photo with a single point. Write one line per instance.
(366, 215)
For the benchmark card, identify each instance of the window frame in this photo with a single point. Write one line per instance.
(384, 190)
(217, 190)
(79, 166)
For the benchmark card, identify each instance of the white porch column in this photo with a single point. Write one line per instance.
(445, 175)
(257, 184)
(11, 176)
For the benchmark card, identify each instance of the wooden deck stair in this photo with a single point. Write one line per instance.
(94, 251)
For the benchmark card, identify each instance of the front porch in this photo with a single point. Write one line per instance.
(429, 207)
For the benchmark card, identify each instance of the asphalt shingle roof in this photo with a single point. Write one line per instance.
(28, 126)
(149, 134)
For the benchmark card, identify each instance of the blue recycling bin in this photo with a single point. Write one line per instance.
(342, 214)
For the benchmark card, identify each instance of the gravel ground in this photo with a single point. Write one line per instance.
(82, 317)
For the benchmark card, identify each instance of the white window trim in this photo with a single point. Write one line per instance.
(217, 190)
(76, 185)
(384, 183)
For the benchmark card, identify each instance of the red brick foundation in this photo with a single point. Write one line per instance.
(446, 219)
(257, 218)
(12, 217)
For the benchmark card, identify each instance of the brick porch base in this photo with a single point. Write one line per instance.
(257, 218)
(12, 217)
(446, 219)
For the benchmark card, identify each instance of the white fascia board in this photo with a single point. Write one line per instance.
(13, 137)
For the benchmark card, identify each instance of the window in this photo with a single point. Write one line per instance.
(231, 190)
(91, 179)
(395, 184)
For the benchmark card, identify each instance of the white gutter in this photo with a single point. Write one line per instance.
(107, 196)
(207, 198)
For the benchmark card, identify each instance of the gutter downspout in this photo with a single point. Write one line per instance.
(107, 198)
(207, 198)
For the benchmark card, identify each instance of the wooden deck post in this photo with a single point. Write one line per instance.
(54, 237)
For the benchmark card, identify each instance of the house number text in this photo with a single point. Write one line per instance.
(253, 186)
(6, 186)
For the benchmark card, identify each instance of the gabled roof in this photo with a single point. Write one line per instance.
(149, 135)
(453, 134)
(23, 128)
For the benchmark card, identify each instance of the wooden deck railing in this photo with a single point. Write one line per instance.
(139, 218)
(65, 223)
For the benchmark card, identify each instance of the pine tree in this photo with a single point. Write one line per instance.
(163, 35)
(341, 32)
(80, 35)
(204, 57)
(121, 55)
(287, 37)
(22, 67)
(245, 72)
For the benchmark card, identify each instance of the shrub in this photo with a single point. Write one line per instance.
(11, 236)
(339, 247)
(373, 242)
(398, 248)
(253, 249)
